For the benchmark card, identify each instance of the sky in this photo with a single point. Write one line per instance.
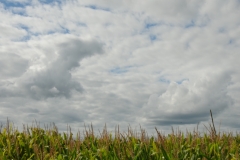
(155, 63)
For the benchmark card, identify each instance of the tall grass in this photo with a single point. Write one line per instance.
(49, 144)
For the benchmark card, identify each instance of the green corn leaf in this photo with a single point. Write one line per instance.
(164, 153)
(31, 156)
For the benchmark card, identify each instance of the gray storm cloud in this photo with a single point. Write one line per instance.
(56, 79)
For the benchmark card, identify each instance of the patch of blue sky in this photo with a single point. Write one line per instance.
(182, 80)
(10, 4)
(18, 10)
(187, 45)
(26, 28)
(221, 30)
(23, 27)
(51, 32)
(95, 7)
(150, 25)
(24, 39)
(120, 70)
(153, 37)
(51, 1)
(64, 30)
(189, 25)
(146, 29)
(81, 24)
(231, 41)
(108, 24)
(164, 80)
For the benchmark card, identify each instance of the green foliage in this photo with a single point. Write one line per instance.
(49, 144)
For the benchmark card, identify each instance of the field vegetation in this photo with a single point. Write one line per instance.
(48, 144)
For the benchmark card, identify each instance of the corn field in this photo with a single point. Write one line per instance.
(48, 144)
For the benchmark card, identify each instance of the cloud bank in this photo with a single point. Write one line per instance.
(154, 63)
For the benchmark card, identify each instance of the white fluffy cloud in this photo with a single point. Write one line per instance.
(164, 63)
(189, 102)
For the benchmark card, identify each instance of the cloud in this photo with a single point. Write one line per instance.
(12, 65)
(9, 32)
(189, 102)
(56, 79)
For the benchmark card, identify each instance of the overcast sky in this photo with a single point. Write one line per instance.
(156, 63)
